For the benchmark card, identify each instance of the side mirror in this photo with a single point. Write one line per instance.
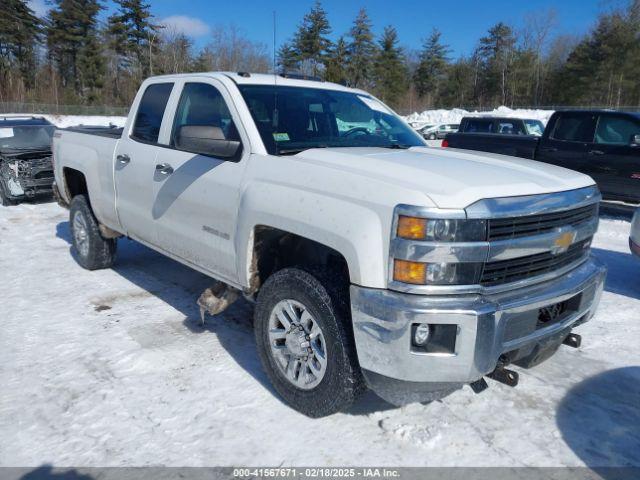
(635, 140)
(206, 140)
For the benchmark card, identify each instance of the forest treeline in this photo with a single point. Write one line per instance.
(74, 56)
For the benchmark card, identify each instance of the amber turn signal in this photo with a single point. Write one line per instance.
(410, 272)
(412, 228)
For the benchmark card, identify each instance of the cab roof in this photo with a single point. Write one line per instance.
(287, 80)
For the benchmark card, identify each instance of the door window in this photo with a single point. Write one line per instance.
(616, 130)
(202, 104)
(574, 128)
(150, 112)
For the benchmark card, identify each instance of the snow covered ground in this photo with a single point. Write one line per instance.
(454, 115)
(112, 368)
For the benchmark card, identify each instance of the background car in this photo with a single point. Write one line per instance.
(26, 170)
(438, 131)
(634, 237)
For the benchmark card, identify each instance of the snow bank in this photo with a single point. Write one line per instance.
(64, 121)
(455, 115)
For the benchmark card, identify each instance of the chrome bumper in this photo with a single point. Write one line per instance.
(487, 325)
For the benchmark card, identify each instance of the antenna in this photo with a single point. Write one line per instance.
(275, 119)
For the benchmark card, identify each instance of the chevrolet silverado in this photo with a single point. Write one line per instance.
(373, 260)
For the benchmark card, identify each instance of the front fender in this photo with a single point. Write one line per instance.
(357, 230)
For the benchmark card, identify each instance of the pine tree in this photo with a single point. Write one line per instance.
(496, 52)
(362, 50)
(91, 68)
(288, 58)
(310, 41)
(71, 35)
(133, 32)
(603, 69)
(19, 35)
(336, 63)
(390, 69)
(432, 66)
(457, 88)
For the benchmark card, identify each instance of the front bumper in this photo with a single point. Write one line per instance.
(33, 178)
(488, 326)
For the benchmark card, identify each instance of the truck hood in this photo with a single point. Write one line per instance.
(450, 178)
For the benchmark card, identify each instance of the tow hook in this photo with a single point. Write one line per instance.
(479, 386)
(504, 375)
(573, 340)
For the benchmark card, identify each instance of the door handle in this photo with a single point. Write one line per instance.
(164, 169)
(549, 149)
(596, 152)
(123, 159)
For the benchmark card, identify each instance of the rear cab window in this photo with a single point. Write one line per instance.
(574, 127)
(507, 127)
(146, 127)
(478, 125)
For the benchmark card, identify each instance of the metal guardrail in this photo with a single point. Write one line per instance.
(54, 109)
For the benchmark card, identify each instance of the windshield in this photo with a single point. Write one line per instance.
(25, 137)
(316, 118)
(534, 127)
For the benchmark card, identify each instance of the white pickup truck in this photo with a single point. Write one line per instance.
(374, 260)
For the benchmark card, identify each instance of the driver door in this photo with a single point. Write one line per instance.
(196, 196)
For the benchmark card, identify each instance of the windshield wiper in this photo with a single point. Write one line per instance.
(293, 151)
(397, 146)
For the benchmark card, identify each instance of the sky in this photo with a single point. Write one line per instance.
(461, 26)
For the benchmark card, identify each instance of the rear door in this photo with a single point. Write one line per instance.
(568, 141)
(616, 158)
(135, 162)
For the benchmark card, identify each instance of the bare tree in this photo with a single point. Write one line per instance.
(536, 36)
(230, 50)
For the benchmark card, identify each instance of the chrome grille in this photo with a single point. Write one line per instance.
(514, 227)
(507, 271)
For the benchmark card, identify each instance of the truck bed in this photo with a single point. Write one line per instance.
(110, 131)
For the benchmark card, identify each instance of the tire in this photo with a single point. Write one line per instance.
(432, 136)
(92, 251)
(4, 197)
(341, 381)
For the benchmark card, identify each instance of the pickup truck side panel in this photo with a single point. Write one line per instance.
(523, 146)
(96, 163)
(317, 209)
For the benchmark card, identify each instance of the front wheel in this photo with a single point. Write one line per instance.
(432, 136)
(304, 344)
(93, 252)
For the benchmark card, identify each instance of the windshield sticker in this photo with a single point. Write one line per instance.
(281, 137)
(373, 104)
(6, 132)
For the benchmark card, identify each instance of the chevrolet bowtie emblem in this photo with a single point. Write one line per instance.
(563, 242)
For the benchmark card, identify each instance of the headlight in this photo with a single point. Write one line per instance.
(441, 230)
(418, 273)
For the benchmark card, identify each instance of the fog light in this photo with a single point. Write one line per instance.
(421, 334)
